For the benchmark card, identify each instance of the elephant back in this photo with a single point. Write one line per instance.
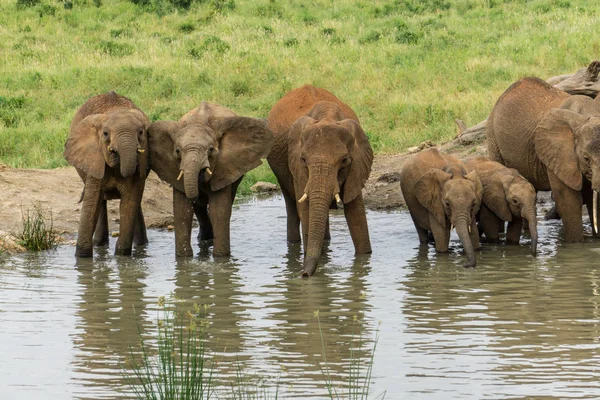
(298, 103)
(103, 103)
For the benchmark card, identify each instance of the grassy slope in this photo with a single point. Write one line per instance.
(407, 67)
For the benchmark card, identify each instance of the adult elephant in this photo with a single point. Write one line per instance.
(107, 144)
(553, 140)
(507, 197)
(441, 193)
(211, 148)
(321, 156)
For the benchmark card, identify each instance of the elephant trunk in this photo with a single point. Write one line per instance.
(462, 228)
(530, 216)
(320, 193)
(128, 156)
(191, 172)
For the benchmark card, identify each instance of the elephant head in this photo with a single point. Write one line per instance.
(453, 199)
(568, 144)
(118, 139)
(330, 160)
(217, 150)
(508, 194)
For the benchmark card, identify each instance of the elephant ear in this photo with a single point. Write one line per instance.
(555, 145)
(243, 142)
(297, 168)
(83, 150)
(429, 192)
(161, 152)
(362, 159)
(143, 157)
(494, 194)
(474, 177)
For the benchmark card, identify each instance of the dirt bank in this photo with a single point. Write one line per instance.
(59, 190)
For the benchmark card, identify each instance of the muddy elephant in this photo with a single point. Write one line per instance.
(204, 156)
(553, 140)
(108, 144)
(507, 197)
(440, 193)
(321, 157)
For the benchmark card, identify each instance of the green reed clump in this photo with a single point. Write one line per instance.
(358, 377)
(181, 370)
(38, 230)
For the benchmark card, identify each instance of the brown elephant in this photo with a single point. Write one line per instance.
(321, 156)
(507, 196)
(212, 148)
(108, 145)
(441, 193)
(553, 140)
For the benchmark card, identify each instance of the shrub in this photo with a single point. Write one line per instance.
(37, 234)
(114, 49)
(27, 3)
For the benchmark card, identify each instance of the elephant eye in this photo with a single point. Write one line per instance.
(177, 151)
(303, 160)
(447, 203)
(515, 201)
(586, 159)
(346, 161)
(105, 133)
(211, 149)
(140, 132)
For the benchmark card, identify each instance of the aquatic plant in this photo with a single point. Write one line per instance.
(37, 232)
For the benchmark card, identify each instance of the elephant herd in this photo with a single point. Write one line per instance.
(539, 138)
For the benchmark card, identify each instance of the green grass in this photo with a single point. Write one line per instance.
(37, 233)
(407, 67)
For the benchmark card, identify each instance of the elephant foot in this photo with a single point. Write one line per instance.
(83, 252)
(103, 241)
(221, 253)
(470, 264)
(122, 251)
(140, 241)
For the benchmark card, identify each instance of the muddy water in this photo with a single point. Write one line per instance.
(515, 326)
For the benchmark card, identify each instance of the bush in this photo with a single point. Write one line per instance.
(36, 234)
(27, 3)
(114, 49)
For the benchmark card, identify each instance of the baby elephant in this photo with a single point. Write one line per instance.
(507, 196)
(440, 194)
(204, 156)
(107, 144)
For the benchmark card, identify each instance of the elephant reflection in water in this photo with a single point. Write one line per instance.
(109, 320)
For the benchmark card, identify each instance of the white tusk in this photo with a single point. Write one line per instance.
(304, 197)
(180, 175)
(595, 211)
(109, 148)
(208, 171)
(451, 227)
(337, 198)
(141, 151)
(469, 228)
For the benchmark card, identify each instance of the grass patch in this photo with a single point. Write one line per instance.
(260, 174)
(390, 60)
(38, 232)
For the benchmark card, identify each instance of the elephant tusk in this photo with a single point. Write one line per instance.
(110, 148)
(180, 175)
(208, 171)
(303, 198)
(469, 228)
(141, 151)
(337, 198)
(451, 227)
(595, 211)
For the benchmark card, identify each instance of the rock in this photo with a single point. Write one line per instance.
(9, 244)
(264, 187)
(114, 234)
(170, 227)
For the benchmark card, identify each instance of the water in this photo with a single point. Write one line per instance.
(515, 326)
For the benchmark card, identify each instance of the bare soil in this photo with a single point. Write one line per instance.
(58, 191)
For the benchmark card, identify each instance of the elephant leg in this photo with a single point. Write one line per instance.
(493, 149)
(219, 207)
(490, 223)
(140, 236)
(88, 219)
(183, 215)
(422, 232)
(441, 235)
(101, 232)
(356, 218)
(129, 212)
(474, 234)
(327, 232)
(569, 205)
(293, 219)
(206, 229)
(513, 232)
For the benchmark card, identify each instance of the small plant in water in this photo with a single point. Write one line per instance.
(359, 378)
(181, 369)
(38, 230)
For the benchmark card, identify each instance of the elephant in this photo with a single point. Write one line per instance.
(441, 193)
(107, 145)
(212, 148)
(321, 157)
(553, 140)
(507, 196)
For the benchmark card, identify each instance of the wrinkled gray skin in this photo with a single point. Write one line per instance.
(204, 156)
(107, 144)
(553, 140)
(440, 192)
(507, 196)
